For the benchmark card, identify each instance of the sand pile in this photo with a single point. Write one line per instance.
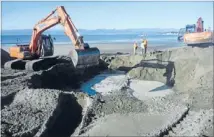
(4, 57)
(43, 112)
(25, 115)
(188, 70)
(195, 124)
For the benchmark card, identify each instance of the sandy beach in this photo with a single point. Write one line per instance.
(63, 49)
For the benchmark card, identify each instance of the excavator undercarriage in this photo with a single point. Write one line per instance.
(78, 58)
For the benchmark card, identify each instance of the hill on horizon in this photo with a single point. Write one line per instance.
(92, 32)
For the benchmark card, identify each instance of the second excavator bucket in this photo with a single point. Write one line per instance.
(83, 58)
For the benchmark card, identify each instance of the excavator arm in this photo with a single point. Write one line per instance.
(61, 18)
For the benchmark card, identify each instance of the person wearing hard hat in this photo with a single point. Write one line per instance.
(135, 46)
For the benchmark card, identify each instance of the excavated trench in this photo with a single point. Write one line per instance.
(66, 118)
(64, 78)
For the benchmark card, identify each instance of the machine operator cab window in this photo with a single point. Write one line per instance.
(46, 45)
(191, 28)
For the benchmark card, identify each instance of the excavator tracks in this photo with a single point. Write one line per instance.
(41, 64)
(32, 65)
(15, 64)
(80, 59)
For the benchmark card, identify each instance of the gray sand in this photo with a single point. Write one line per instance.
(57, 109)
(134, 124)
(189, 71)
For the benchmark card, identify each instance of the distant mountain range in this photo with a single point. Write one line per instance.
(94, 32)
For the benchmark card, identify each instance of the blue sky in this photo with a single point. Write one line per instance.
(110, 15)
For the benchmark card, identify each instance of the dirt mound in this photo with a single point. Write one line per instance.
(4, 57)
(188, 70)
(41, 113)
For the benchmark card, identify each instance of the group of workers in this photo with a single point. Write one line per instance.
(143, 46)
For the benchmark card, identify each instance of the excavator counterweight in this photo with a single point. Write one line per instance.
(38, 55)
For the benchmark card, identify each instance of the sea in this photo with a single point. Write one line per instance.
(154, 37)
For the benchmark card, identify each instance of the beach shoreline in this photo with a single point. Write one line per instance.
(63, 49)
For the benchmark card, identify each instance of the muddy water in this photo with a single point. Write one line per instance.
(107, 83)
(104, 83)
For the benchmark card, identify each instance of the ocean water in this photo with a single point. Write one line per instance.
(8, 39)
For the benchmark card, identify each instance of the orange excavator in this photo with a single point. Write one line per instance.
(38, 54)
(196, 35)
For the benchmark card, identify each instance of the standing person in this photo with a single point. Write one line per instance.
(145, 42)
(135, 47)
(142, 47)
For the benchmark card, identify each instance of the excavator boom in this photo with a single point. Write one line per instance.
(63, 18)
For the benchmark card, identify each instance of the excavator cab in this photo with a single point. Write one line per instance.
(22, 51)
(187, 29)
(190, 28)
(46, 46)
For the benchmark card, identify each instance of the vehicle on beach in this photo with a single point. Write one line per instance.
(195, 34)
(38, 53)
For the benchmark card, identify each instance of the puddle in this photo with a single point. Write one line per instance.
(87, 86)
(148, 89)
(104, 83)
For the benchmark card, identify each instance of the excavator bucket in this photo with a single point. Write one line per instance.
(83, 58)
